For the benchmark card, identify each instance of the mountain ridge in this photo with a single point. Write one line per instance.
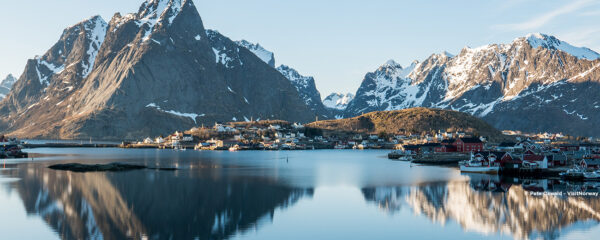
(156, 71)
(528, 84)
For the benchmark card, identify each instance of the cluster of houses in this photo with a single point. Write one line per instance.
(527, 154)
(241, 137)
(284, 136)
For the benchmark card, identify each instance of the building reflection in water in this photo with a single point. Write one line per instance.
(155, 204)
(523, 208)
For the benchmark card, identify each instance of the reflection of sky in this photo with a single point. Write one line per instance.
(14, 224)
(342, 213)
(299, 168)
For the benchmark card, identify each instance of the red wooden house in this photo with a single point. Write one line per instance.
(445, 148)
(470, 144)
(508, 161)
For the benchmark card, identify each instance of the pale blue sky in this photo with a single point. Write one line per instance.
(336, 41)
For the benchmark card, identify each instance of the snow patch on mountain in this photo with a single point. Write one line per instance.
(43, 78)
(96, 30)
(222, 58)
(193, 116)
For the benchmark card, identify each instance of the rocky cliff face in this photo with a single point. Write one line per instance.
(305, 85)
(145, 73)
(6, 85)
(536, 83)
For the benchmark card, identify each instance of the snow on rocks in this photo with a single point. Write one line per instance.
(193, 116)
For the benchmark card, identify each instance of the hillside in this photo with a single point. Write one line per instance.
(412, 120)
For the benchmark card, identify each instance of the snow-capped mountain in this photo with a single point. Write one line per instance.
(338, 101)
(262, 53)
(536, 83)
(6, 85)
(143, 74)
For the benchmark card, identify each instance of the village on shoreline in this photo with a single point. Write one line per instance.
(531, 151)
(515, 154)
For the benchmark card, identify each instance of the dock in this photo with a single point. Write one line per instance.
(440, 158)
(69, 145)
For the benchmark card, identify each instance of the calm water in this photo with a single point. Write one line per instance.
(341, 194)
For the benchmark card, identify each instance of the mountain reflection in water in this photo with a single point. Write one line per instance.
(281, 195)
(156, 204)
(525, 209)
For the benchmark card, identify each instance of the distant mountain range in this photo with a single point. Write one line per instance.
(6, 84)
(536, 83)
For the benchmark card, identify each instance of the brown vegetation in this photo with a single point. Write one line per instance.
(413, 120)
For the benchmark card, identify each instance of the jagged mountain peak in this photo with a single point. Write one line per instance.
(338, 100)
(90, 21)
(6, 84)
(152, 11)
(447, 54)
(550, 42)
(10, 79)
(258, 50)
(299, 80)
(391, 64)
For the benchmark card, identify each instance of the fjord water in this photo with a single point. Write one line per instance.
(322, 194)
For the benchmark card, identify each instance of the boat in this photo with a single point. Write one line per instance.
(340, 146)
(179, 147)
(592, 175)
(12, 149)
(480, 165)
(399, 155)
(575, 173)
(394, 155)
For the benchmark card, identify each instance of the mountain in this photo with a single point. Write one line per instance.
(412, 120)
(536, 83)
(307, 89)
(6, 85)
(145, 73)
(265, 55)
(305, 85)
(338, 101)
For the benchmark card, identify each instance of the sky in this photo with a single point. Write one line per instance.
(335, 41)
